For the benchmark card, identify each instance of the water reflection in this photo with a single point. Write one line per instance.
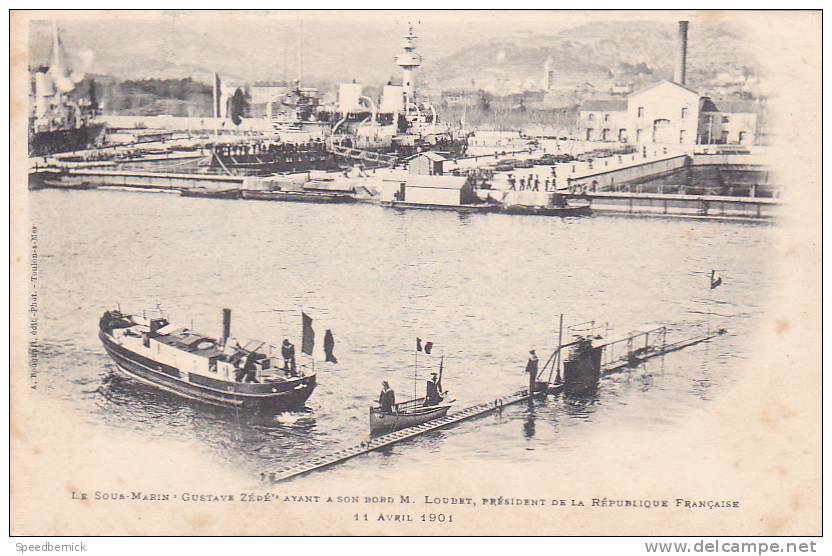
(580, 406)
(528, 422)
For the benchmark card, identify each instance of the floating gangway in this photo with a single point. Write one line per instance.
(381, 159)
(632, 357)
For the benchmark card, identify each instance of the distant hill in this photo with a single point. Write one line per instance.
(600, 53)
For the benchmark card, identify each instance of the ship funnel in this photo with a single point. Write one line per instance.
(679, 75)
(226, 325)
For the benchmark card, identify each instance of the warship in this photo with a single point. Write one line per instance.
(61, 119)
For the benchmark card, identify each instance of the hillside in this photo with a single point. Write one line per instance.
(599, 53)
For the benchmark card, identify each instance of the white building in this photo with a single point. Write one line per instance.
(438, 190)
(664, 113)
(671, 114)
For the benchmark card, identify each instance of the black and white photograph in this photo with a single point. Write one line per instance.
(416, 272)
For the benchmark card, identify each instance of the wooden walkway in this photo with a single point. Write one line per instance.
(381, 159)
(627, 360)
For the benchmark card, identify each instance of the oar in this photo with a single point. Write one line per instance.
(439, 382)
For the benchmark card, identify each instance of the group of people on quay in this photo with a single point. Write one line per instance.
(531, 183)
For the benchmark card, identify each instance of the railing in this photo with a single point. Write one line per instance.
(633, 341)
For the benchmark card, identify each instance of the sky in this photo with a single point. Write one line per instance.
(264, 45)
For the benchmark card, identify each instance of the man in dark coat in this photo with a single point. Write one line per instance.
(433, 394)
(531, 368)
(387, 398)
(287, 350)
(329, 345)
(248, 373)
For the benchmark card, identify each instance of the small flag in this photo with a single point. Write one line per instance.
(308, 339)
(716, 280)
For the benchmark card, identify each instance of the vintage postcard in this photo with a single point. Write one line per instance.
(416, 273)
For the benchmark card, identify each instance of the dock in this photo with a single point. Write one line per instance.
(663, 204)
(631, 357)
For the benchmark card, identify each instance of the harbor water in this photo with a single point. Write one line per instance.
(485, 288)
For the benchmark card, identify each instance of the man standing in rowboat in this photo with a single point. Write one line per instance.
(387, 398)
(433, 395)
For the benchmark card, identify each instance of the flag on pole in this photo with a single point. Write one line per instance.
(716, 280)
(428, 346)
(308, 338)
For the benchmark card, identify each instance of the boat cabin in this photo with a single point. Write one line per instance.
(195, 355)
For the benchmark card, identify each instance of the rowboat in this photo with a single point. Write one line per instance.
(416, 411)
(406, 414)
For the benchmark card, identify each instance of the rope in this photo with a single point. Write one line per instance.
(227, 171)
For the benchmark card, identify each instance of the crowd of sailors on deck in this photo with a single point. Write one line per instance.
(269, 148)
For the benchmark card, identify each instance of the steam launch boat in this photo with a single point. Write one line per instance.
(197, 367)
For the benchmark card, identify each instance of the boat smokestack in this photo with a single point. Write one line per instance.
(226, 325)
(679, 75)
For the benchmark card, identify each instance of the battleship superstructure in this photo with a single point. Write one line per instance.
(60, 121)
(397, 122)
(403, 123)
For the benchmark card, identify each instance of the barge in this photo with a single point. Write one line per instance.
(298, 196)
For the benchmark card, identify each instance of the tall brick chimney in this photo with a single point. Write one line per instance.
(679, 75)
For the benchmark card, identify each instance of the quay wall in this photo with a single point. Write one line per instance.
(155, 180)
(700, 206)
(752, 161)
(606, 173)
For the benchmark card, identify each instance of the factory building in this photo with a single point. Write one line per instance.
(669, 112)
(664, 113)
